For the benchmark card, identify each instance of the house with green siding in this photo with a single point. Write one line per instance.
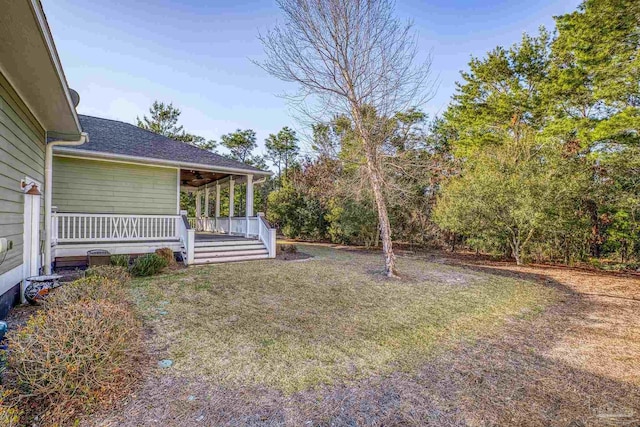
(70, 184)
(36, 106)
(120, 192)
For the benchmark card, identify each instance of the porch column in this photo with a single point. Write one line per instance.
(206, 201)
(231, 196)
(249, 195)
(217, 199)
(198, 204)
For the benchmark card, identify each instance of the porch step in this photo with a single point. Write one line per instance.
(231, 242)
(223, 254)
(228, 248)
(233, 258)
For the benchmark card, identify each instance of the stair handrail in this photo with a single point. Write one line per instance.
(188, 238)
(267, 234)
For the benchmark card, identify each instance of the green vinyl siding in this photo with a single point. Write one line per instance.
(22, 147)
(96, 186)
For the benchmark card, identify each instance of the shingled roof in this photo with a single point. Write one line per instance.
(124, 139)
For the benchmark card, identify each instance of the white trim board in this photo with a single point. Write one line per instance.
(31, 230)
(178, 190)
(80, 249)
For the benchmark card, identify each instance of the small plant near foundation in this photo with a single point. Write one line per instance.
(121, 260)
(148, 265)
(167, 254)
(93, 287)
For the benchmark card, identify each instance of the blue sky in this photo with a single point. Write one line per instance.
(121, 55)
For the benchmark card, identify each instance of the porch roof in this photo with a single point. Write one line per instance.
(115, 139)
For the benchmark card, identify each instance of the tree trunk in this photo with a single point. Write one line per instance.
(516, 255)
(515, 251)
(286, 168)
(279, 174)
(383, 217)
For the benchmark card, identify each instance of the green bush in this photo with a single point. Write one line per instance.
(148, 265)
(614, 266)
(352, 222)
(298, 215)
(632, 266)
(121, 260)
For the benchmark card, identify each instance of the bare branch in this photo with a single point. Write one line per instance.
(351, 59)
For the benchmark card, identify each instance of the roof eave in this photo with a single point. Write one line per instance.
(155, 161)
(57, 64)
(30, 63)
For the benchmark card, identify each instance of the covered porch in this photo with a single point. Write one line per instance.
(222, 227)
(217, 208)
(223, 222)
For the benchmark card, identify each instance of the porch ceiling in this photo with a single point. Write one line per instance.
(196, 178)
(193, 179)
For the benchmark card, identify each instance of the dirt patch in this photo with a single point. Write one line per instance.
(295, 256)
(19, 315)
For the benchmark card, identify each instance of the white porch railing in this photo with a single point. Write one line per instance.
(83, 227)
(203, 224)
(91, 228)
(187, 238)
(254, 226)
(234, 225)
(267, 235)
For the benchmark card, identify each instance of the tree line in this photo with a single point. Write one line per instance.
(537, 157)
(546, 133)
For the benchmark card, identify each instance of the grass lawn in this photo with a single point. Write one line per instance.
(293, 326)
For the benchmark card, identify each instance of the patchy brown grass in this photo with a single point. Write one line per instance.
(526, 346)
(293, 327)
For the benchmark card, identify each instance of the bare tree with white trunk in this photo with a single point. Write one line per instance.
(352, 59)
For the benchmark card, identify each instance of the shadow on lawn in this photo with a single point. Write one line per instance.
(506, 380)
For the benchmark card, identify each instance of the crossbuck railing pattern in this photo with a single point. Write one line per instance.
(81, 227)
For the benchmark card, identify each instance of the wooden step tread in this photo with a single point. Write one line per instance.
(228, 248)
(227, 243)
(229, 259)
(261, 251)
